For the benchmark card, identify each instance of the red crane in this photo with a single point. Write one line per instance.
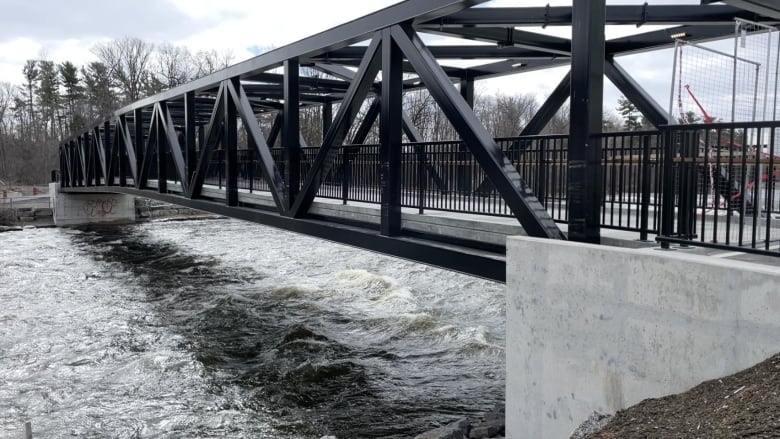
(707, 117)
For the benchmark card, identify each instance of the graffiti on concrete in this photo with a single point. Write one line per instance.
(99, 207)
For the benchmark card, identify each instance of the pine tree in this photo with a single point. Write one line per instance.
(31, 73)
(631, 115)
(74, 93)
(98, 90)
(49, 97)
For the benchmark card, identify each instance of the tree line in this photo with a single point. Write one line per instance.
(57, 99)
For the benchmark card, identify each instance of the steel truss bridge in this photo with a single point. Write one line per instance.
(182, 146)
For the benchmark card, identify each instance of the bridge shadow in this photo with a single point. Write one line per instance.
(263, 344)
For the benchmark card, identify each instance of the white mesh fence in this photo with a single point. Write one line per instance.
(712, 86)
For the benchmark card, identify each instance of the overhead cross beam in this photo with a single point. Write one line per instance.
(615, 15)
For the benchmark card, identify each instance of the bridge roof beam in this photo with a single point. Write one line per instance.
(341, 36)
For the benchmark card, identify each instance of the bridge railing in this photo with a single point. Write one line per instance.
(723, 186)
(444, 176)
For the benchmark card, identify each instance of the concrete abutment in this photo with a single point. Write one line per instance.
(98, 208)
(597, 328)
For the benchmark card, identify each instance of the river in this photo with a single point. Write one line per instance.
(223, 328)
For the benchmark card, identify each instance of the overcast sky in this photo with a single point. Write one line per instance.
(62, 30)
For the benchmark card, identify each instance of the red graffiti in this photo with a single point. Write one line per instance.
(99, 207)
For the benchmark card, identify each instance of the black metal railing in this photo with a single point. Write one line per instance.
(722, 186)
(444, 176)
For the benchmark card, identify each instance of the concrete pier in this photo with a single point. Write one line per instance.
(98, 208)
(598, 328)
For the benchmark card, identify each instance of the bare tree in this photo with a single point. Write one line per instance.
(208, 62)
(128, 61)
(506, 115)
(173, 65)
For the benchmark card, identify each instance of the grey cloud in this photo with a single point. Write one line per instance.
(46, 20)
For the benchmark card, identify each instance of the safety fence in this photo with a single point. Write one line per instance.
(722, 186)
(445, 176)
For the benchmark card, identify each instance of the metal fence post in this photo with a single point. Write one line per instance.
(541, 183)
(645, 208)
(421, 180)
(667, 202)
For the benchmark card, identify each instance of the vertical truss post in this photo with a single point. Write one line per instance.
(467, 90)
(106, 153)
(291, 132)
(587, 86)
(91, 150)
(327, 117)
(85, 147)
(390, 131)
(121, 150)
(72, 168)
(138, 143)
(190, 155)
(162, 157)
(81, 158)
(230, 146)
(69, 164)
(71, 160)
(201, 139)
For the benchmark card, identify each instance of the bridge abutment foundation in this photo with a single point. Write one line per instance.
(98, 208)
(597, 328)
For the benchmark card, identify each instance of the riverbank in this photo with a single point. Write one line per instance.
(746, 404)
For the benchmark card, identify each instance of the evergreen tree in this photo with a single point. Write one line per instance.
(74, 94)
(49, 98)
(98, 90)
(31, 72)
(629, 112)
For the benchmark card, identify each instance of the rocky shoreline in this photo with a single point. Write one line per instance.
(491, 425)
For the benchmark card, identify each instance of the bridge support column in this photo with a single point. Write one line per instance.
(587, 89)
(627, 325)
(390, 132)
(97, 208)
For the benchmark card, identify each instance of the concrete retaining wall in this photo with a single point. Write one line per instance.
(79, 209)
(596, 328)
(26, 216)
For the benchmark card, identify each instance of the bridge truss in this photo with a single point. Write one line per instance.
(160, 147)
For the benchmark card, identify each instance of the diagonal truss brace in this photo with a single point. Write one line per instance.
(268, 165)
(172, 139)
(635, 93)
(520, 198)
(354, 97)
(213, 134)
(124, 136)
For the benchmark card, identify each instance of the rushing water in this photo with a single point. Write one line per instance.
(224, 328)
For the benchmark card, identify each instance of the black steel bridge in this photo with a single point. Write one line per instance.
(200, 145)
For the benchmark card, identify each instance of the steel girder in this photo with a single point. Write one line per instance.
(424, 249)
(615, 15)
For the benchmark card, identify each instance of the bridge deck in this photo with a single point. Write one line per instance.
(470, 243)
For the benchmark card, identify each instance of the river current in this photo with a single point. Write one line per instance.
(223, 328)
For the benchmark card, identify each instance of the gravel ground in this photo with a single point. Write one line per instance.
(746, 404)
